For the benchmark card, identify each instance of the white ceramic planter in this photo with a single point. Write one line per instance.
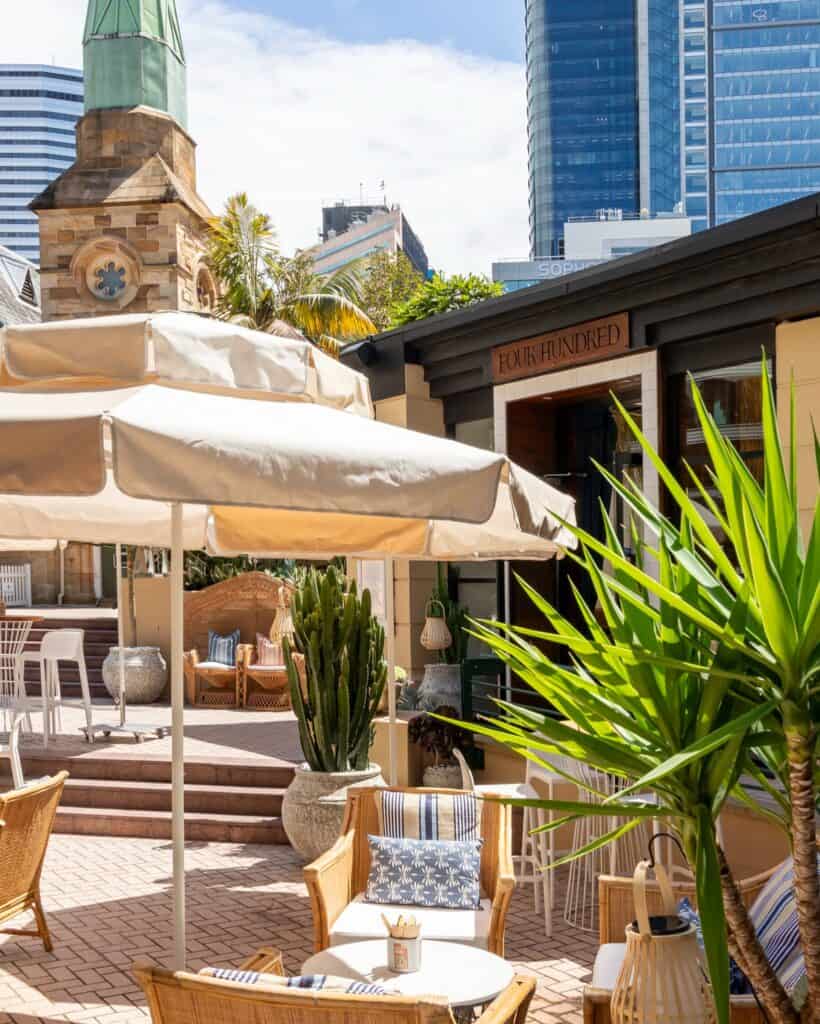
(442, 776)
(145, 674)
(313, 807)
(441, 685)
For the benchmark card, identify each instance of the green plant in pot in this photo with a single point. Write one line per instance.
(438, 738)
(702, 675)
(336, 685)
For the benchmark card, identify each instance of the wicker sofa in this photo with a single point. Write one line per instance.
(337, 880)
(617, 910)
(173, 998)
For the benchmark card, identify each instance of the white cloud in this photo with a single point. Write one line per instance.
(293, 118)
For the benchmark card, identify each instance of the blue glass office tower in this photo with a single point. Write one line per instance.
(39, 107)
(603, 107)
(752, 107)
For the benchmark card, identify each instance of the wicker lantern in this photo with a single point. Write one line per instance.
(662, 980)
(435, 636)
(282, 625)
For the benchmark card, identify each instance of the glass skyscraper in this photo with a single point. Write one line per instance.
(39, 107)
(603, 108)
(751, 130)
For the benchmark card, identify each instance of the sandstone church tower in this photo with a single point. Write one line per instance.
(123, 229)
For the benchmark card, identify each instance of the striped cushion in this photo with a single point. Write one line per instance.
(774, 916)
(448, 816)
(317, 982)
(222, 649)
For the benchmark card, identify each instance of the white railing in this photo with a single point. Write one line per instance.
(15, 585)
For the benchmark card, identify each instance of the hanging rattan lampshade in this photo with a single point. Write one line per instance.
(662, 980)
(282, 625)
(435, 636)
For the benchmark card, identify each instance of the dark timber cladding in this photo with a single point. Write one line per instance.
(759, 270)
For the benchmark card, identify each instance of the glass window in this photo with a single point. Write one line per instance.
(695, 112)
(696, 206)
(696, 158)
(699, 225)
(695, 182)
(696, 135)
(694, 88)
(694, 64)
(733, 397)
(694, 19)
(693, 42)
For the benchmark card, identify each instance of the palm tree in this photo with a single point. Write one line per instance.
(267, 291)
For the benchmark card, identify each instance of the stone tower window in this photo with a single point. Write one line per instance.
(205, 290)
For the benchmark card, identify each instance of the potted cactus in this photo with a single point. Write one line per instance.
(335, 701)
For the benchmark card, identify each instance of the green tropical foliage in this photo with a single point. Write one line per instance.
(203, 570)
(389, 279)
(343, 646)
(264, 290)
(701, 673)
(443, 294)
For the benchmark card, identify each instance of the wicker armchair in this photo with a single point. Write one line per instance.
(337, 880)
(190, 997)
(617, 910)
(26, 819)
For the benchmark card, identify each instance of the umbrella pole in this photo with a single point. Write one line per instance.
(120, 631)
(390, 622)
(177, 738)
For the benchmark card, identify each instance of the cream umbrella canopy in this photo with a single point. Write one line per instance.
(228, 451)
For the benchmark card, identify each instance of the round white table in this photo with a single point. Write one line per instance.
(464, 975)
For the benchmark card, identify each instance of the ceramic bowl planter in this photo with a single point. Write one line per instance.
(441, 685)
(442, 776)
(314, 806)
(145, 674)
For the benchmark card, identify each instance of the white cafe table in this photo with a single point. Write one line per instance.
(464, 975)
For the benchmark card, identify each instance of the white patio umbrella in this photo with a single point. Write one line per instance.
(207, 451)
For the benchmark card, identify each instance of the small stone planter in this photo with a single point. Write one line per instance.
(313, 807)
(442, 776)
(145, 674)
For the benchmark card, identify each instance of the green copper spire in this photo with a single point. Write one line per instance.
(133, 56)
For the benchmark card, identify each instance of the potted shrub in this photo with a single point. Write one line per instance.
(441, 684)
(335, 701)
(438, 738)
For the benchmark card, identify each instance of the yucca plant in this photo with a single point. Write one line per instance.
(705, 670)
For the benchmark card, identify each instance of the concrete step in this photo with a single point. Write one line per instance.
(204, 827)
(252, 801)
(139, 767)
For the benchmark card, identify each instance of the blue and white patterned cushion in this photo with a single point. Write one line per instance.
(424, 873)
(449, 816)
(774, 916)
(222, 649)
(738, 982)
(317, 982)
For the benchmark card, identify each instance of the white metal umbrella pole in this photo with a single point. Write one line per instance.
(177, 737)
(120, 631)
(390, 624)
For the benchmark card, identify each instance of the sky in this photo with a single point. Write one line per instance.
(301, 107)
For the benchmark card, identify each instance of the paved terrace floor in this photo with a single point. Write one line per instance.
(108, 899)
(108, 903)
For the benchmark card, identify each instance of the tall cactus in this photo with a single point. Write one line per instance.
(345, 671)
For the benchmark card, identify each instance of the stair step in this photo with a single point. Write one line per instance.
(142, 768)
(212, 828)
(98, 794)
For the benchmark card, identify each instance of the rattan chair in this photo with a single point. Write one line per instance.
(617, 910)
(26, 819)
(173, 998)
(339, 876)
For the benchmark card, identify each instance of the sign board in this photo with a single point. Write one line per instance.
(589, 342)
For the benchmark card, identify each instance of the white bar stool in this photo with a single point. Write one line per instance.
(58, 645)
(10, 748)
(537, 851)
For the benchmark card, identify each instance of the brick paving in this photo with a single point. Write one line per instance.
(108, 904)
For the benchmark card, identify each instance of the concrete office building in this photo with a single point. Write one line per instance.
(351, 231)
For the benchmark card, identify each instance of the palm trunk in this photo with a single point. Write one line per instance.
(801, 742)
(749, 954)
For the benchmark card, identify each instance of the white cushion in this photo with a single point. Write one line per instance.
(607, 966)
(215, 664)
(267, 668)
(509, 790)
(360, 921)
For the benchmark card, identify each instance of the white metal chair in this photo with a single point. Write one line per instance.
(58, 645)
(13, 635)
(538, 852)
(10, 748)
